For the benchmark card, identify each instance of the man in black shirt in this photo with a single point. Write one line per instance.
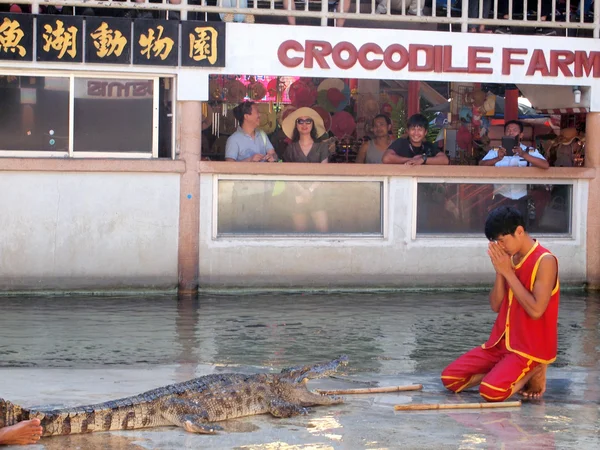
(414, 150)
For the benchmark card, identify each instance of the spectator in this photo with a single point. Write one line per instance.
(514, 194)
(343, 6)
(414, 150)
(304, 126)
(474, 14)
(230, 17)
(248, 143)
(372, 150)
(412, 6)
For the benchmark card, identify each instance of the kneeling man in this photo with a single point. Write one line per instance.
(525, 296)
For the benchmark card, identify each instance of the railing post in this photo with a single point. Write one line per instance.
(596, 19)
(324, 10)
(183, 12)
(464, 16)
(35, 7)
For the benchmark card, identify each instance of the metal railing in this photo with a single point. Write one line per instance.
(560, 15)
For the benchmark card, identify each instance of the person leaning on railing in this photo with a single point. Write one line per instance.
(230, 17)
(304, 127)
(414, 150)
(372, 150)
(342, 6)
(521, 9)
(514, 194)
(248, 143)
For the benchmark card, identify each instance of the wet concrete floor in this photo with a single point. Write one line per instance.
(57, 352)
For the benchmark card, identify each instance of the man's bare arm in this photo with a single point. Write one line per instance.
(497, 293)
(362, 153)
(536, 302)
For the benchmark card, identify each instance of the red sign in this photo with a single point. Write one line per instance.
(437, 58)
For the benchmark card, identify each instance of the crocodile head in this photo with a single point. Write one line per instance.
(319, 370)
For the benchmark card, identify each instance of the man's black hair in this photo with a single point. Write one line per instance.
(417, 120)
(384, 117)
(502, 221)
(517, 122)
(241, 110)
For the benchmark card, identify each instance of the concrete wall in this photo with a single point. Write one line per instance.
(88, 230)
(398, 259)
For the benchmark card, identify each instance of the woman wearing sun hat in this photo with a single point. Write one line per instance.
(304, 126)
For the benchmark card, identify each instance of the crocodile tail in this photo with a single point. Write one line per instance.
(11, 413)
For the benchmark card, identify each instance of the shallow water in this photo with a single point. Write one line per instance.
(385, 334)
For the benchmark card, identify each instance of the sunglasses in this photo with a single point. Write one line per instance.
(304, 121)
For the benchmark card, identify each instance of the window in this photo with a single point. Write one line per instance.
(86, 116)
(299, 207)
(461, 208)
(34, 113)
(113, 115)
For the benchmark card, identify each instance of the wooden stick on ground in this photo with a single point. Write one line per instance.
(422, 407)
(374, 390)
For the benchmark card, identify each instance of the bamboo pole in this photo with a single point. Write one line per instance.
(374, 390)
(423, 407)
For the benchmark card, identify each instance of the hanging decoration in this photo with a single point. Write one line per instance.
(324, 115)
(333, 95)
(342, 124)
(256, 91)
(302, 93)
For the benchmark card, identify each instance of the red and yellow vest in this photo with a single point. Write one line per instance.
(530, 338)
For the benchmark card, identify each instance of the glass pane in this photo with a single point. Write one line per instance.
(462, 208)
(299, 207)
(34, 113)
(113, 115)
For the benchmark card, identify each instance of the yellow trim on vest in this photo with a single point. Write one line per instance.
(524, 258)
(495, 343)
(535, 269)
(557, 287)
(508, 346)
(533, 358)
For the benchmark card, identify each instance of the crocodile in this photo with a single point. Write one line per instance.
(194, 405)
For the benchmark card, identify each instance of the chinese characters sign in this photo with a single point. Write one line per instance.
(156, 42)
(60, 38)
(108, 40)
(203, 44)
(16, 37)
(111, 40)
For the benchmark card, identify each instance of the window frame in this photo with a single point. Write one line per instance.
(72, 152)
(574, 215)
(384, 205)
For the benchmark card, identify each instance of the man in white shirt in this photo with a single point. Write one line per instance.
(513, 194)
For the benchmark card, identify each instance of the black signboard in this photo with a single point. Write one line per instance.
(16, 37)
(111, 40)
(203, 44)
(107, 40)
(59, 38)
(156, 42)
